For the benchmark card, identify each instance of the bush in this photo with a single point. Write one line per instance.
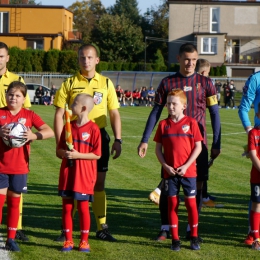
(212, 71)
(52, 60)
(102, 66)
(14, 57)
(68, 62)
(125, 66)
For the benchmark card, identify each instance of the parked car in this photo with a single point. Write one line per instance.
(31, 87)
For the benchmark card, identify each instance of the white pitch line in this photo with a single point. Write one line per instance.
(4, 255)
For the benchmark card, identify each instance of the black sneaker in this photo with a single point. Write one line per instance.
(10, 245)
(21, 236)
(61, 237)
(194, 243)
(163, 235)
(188, 237)
(176, 245)
(104, 234)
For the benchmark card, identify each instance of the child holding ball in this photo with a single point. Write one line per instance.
(14, 162)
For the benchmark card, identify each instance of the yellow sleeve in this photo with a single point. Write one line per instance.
(211, 101)
(27, 102)
(61, 95)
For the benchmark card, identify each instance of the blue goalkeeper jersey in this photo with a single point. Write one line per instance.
(251, 95)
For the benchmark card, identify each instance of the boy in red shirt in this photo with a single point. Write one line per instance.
(77, 182)
(14, 162)
(178, 144)
(254, 154)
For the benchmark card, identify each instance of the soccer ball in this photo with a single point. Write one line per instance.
(15, 138)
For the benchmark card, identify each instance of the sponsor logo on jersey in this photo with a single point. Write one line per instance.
(186, 88)
(85, 136)
(3, 117)
(98, 98)
(22, 120)
(185, 128)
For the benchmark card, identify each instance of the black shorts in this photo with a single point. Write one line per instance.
(102, 163)
(255, 192)
(202, 164)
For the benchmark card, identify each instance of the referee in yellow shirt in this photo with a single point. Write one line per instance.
(87, 80)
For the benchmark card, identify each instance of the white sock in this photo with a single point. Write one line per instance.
(165, 227)
(158, 191)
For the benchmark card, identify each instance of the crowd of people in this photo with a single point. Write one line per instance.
(83, 144)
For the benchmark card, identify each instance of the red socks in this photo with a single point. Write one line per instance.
(193, 218)
(173, 203)
(255, 223)
(12, 215)
(67, 209)
(2, 203)
(84, 216)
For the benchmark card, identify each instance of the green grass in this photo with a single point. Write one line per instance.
(133, 220)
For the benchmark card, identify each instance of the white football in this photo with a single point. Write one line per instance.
(15, 138)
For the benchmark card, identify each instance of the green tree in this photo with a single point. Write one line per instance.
(86, 14)
(128, 8)
(121, 39)
(155, 24)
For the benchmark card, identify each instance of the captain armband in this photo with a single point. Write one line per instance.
(211, 101)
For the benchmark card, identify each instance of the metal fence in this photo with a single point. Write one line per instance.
(126, 79)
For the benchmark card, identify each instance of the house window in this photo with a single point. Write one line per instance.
(214, 20)
(35, 44)
(209, 45)
(4, 18)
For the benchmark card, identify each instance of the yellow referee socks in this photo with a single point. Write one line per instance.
(99, 207)
(19, 226)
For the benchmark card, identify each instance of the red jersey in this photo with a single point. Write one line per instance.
(16, 160)
(254, 144)
(81, 177)
(199, 90)
(178, 140)
(136, 94)
(128, 94)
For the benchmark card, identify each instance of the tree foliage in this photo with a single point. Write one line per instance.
(120, 39)
(128, 8)
(86, 14)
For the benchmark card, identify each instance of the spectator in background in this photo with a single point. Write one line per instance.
(233, 92)
(144, 98)
(119, 93)
(151, 95)
(52, 93)
(46, 99)
(39, 93)
(128, 96)
(218, 89)
(227, 94)
(137, 95)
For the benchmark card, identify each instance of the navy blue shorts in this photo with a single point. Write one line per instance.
(255, 192)
(76, 195)
(14, 182)
(172, 186)
(202, 164)
(102, 163)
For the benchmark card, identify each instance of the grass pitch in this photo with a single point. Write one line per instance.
(132, 219)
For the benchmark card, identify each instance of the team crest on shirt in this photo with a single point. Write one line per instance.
(185, 128)
(186, 88)
(22, 120)
(97, 98)
(3, 117)
(85, 136)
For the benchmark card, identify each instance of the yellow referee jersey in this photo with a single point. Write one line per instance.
(101, 88)
(5, 81)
